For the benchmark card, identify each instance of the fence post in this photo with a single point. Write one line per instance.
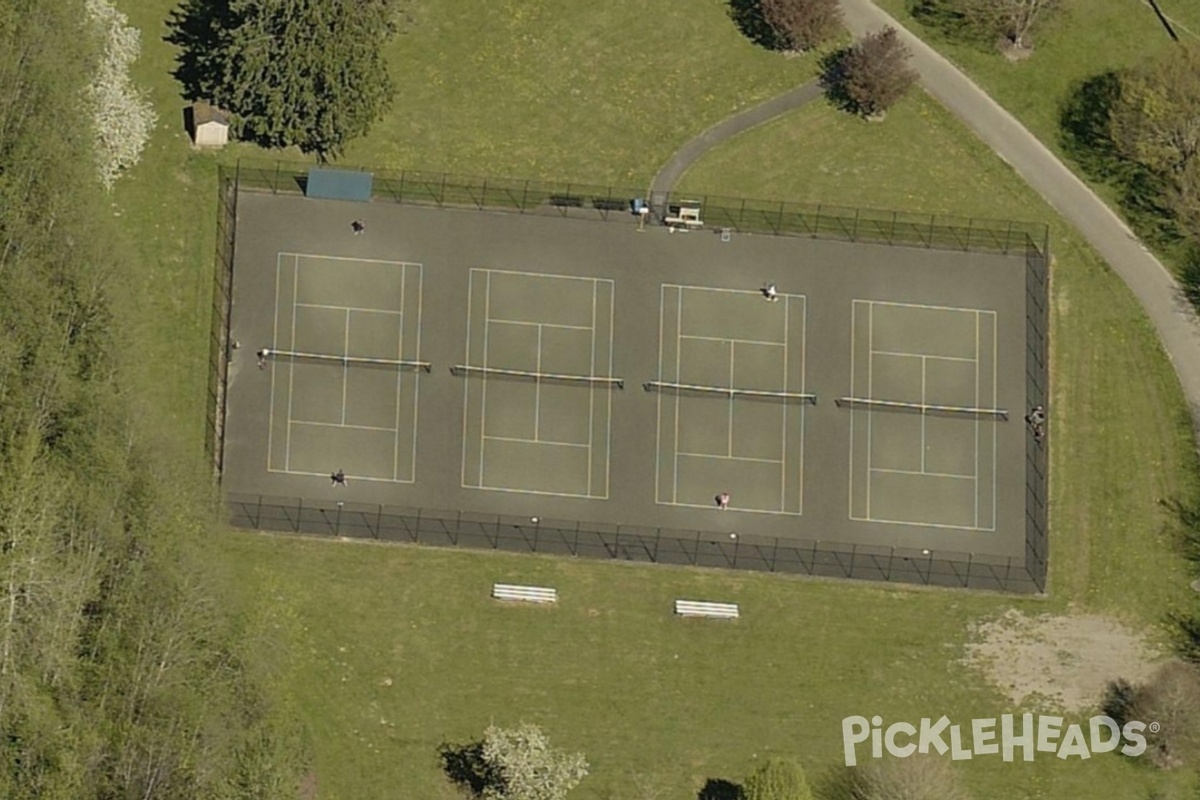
(524, 196)
(275, 181)
(258, 514)
(817, 223)
(657, 539)
(378, 521)
(854, 232)
(779, 219)
(575, 545)
(442, 192)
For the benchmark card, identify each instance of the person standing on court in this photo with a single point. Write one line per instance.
(723, 500)
(338, 478)
(358, 226)
(770, 292)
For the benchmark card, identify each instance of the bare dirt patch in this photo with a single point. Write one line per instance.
(308, 786)
(1058, 663)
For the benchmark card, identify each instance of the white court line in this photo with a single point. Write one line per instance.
(787, 307)
(732, 509)
(539, 492)
(416, 378)
(612, 304)
(939, 525)
(732, 361)
(730, 339)
(592, 391)
(554, 275)
(853, 350)
(710, 289)
(346, 365)
(341, 425)
(287, 450)
(325, 475)
(487, 315)
(732, 458)
(995, 386)
(466, 384)
(804, 390)
(315, 257)
(662, 310)
(353, 308)
(537, 385)
(541, 324)
(274, 336)
(919, 355)
(923, 473)
(519, 440)
(967, 309)
(678, 372)
(977, 420)
(870, 393)
(924, 373)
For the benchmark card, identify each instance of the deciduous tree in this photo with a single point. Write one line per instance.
(1172, 699)
(1155, 123)
(917, 777)
(801, 25)
(870, 76)
(777, 780)
(520, 764)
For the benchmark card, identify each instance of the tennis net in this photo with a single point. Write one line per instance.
(729, 391)
(546, 377)
(923, 408)
(386, 363)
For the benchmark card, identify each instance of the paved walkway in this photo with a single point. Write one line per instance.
(724, 130)
(1154, 287)
(1172, 315)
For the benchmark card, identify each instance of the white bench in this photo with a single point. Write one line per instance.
(526, 594)
(697, 608)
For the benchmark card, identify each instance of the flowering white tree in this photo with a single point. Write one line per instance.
(521, 765)
(121, 115)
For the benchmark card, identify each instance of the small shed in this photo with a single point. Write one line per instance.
(209, 125)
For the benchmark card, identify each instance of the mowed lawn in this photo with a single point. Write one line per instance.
(604, 92)
(1120, 430)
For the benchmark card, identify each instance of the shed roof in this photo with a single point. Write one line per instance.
(203, 113)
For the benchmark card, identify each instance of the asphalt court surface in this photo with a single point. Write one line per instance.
(324, 411)
(528, 434)
(752, 445)
(923, 468)
(528, 323)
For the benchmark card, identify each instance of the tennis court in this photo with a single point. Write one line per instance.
(588, 376)
(344, 366)
(731, 399)
(923, 416)
(538, 383)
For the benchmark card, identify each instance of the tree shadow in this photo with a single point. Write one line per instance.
(197, 27)
(1084, 123)
(1119, 697)
(748, 16)
(463, 764)
(832, 72)
(719, 789)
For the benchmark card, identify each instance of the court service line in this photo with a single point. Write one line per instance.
(346, 366)
(737, 509)
(853, 350)
(274, 336)
(732, 361)
(466, 384)
(341, 425)
(591, 390)
(487, 315)
(315, 257)
(541, 324)
(678, 372)
(923, 473)
(360, 309)
(416, 378)
(995, 386)
(287, 449)
(658, 431)
(977, 419)
(553, 275)
(710, 289)
(964, 309)
(612, 320)
(519, 440)
(939, 525)
(732, 458)
(729, 339)
(537, 386)
(803, 390)
(919, 355)
(924, 374)
(783, 412)
(870, 393)
(356, 478)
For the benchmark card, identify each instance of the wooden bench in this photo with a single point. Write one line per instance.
(525, 594)
(697, 608)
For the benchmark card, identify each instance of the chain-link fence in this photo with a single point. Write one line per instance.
(658, 545)
(630, 543)
(736, 214)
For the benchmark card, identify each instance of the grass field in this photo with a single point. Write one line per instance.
(601, 673)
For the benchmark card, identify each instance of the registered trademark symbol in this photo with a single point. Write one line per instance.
(1154, 727)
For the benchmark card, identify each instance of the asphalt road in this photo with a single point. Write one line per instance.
(1154, 287)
